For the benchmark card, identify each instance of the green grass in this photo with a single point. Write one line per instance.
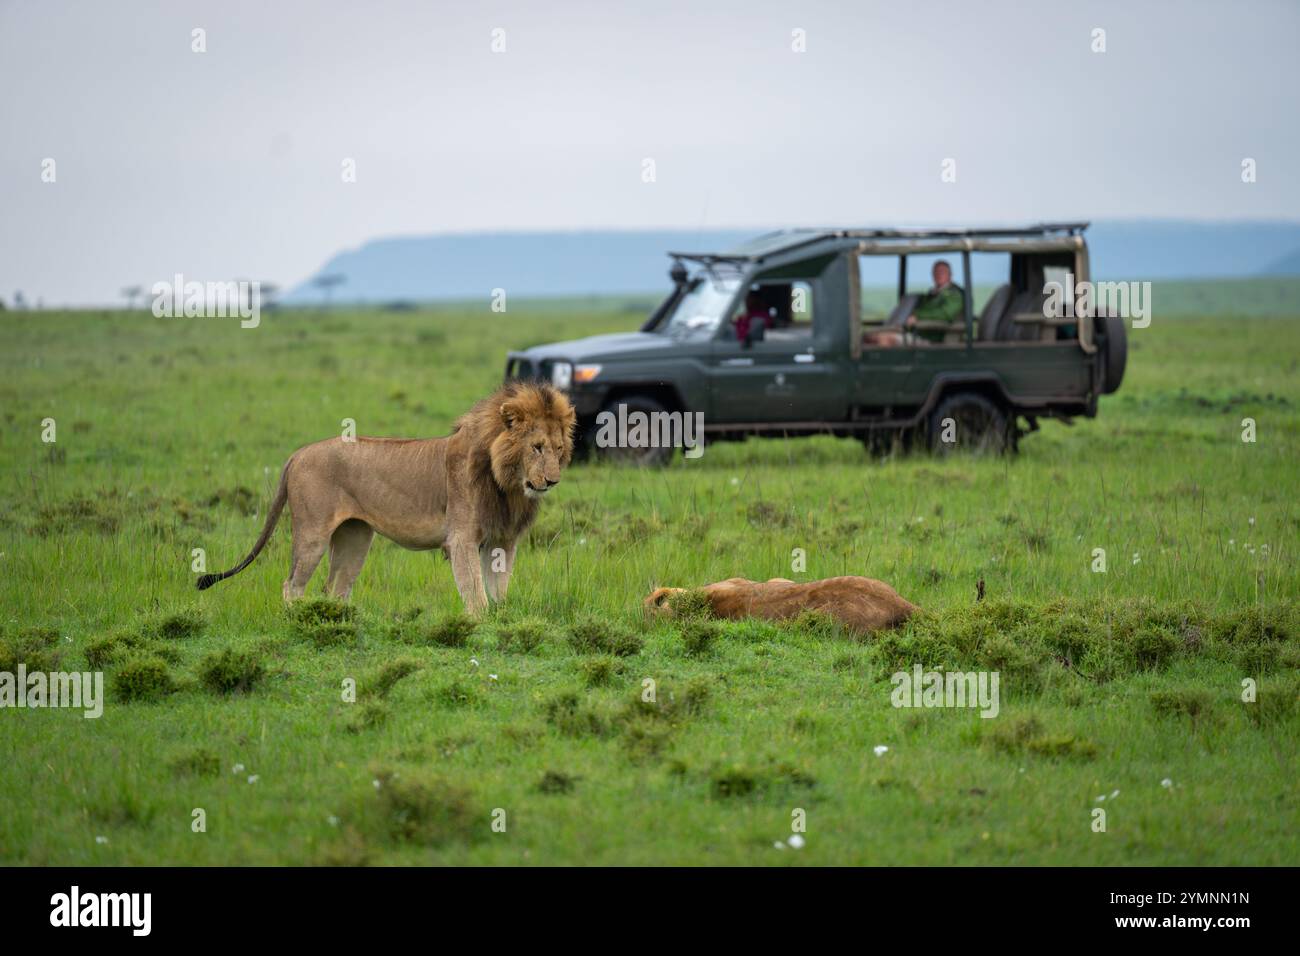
(171, 434)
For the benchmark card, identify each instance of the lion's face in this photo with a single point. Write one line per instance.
(656, 605)
(537, 442)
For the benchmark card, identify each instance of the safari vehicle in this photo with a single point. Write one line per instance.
(978, 383)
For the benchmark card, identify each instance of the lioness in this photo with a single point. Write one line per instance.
(472, 494)
(860, 604)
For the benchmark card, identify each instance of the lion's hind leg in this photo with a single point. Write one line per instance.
(348, 548)
(309, 546)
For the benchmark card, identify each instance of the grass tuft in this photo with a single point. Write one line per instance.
(454, 630)
(231, 671)
(175, 625)
(1181, 702)
(743, 780)
(36, 648)
(367, 715)
(199, 762)
(1021, 735)
(324, 621)
(690, 603)
(698, 635)
(143, 677)
(1257, 625)
(423, 809)
(572, 716)
(456, 693)
(310, 612)
(522, 636)
(389, 673)
(1277, 701)
(590, 635)
(557, 781)
(600, 670)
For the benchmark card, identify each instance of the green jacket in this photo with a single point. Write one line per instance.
(946, 305)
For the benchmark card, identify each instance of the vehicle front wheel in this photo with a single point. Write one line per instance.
(969, 423)
(620, 449)
(882, 443)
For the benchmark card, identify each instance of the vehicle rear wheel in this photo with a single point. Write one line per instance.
(969, 423)
(645, 456)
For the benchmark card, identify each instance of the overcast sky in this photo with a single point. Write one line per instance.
(228, 163)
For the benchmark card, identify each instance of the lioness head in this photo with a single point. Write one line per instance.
(536, 438)
(656, 605)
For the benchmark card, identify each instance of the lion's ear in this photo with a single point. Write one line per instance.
(510, 413)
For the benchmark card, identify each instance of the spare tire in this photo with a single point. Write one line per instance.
(1114, 350)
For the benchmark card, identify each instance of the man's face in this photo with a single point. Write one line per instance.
(942, 274)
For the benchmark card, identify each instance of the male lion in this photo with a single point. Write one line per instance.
(472, 494)
(860, 604)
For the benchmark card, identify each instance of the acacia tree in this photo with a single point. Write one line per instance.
(327, 283)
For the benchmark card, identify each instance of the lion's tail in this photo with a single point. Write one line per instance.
(272, 518)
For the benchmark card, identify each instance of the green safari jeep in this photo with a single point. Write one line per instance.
(802, 332)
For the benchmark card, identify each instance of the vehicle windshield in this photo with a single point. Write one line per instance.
(701, 310)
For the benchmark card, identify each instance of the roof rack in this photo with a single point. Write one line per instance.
(787, 240)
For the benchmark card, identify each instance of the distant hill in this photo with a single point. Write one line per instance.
(427, 268)
(543, 264)
(1288, 265)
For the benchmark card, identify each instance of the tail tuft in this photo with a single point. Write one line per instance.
(207, 580)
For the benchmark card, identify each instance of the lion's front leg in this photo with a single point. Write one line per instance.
(468, 574)
(497, 563)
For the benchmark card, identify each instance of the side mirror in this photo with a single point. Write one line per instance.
(756, 332)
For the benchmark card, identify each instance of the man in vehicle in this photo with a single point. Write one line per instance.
(755, 311)
(945, 302)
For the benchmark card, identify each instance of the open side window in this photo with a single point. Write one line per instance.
(786, 307)
(891, 288)
(779, 307)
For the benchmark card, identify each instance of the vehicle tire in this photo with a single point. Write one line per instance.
(1114, 349)
(648, 457)
(582, 441)
(882, 443)
(980, 426)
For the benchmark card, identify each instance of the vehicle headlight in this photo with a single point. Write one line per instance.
(585, 373)
(561, 375)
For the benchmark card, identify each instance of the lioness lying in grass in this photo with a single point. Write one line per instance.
(473, 494)
(860, 604)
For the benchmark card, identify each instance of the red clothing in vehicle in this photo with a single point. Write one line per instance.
(743, 323)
